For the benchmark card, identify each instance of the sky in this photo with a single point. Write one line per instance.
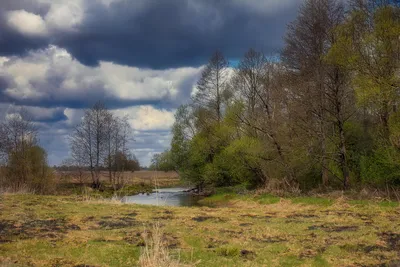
(141, 57)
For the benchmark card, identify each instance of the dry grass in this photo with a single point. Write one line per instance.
(22, 190)
(155, 252)
(129, 176)
(144, 177)
(242, 230)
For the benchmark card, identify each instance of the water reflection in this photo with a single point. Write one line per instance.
(164, 197)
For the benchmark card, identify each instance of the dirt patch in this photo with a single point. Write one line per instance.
(363, 248)
(202, 218)
(296, 215)
(135, 239)
(245, 224)
(32, 203)
(88, 219)
(164, 217)
(294, 221)
(116, 223)
(254, 216)
(308, 253)
(337, 229)
(392, 240)
(231, 233)
(272, 239)
(73, 227)
(247, 254)
(205, 218)
(5, 227)
(52, 228)
(386, 264)
(171, 241)
(138, 239)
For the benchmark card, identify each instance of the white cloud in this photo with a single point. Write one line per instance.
(62, 16)
(54, 73)
(135, 83)
(74, 116)
(27, 23)
(145, 118)
(65, 15)
(3, 60)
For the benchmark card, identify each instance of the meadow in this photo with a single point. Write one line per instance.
(71, 183)
(228, 230)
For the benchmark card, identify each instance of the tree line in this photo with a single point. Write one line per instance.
(99, 143)
(324, 114)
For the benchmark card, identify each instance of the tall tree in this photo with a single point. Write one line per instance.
(369, 44)
(212, 85)
(319, 87)
(89, 139)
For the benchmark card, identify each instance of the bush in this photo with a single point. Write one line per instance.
(28, 168)
(381, 168)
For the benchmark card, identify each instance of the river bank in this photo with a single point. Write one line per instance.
(233, 231)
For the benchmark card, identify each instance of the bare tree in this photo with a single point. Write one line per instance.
(320, 89)
(211, 88)
(118, 135)
(249, 79)
(98, 140)
(88, 140)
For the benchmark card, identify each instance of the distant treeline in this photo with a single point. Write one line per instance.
(100, 142)
(325, 113)
(132, 165)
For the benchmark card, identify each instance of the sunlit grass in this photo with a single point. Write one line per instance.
(239, 230)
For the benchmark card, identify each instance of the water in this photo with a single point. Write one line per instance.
(164, 197)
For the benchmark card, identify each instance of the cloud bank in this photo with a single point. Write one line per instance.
(142, 58)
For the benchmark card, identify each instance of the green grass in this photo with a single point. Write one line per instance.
(383, 204)
(312, 201)
(239, 230)
(266, 199)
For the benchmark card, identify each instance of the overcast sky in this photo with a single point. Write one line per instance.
(142, 57)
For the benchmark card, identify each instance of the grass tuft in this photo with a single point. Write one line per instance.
(155, 252)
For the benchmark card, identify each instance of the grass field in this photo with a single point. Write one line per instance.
(69, 183)
(129, 177)
(232, 230)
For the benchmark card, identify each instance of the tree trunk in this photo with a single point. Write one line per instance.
(343, 158)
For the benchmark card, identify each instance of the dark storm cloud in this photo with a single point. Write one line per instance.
(50, 78)
(164, 34)
(54, 96)
(145, 35)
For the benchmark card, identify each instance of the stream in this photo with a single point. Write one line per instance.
(175, 196)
